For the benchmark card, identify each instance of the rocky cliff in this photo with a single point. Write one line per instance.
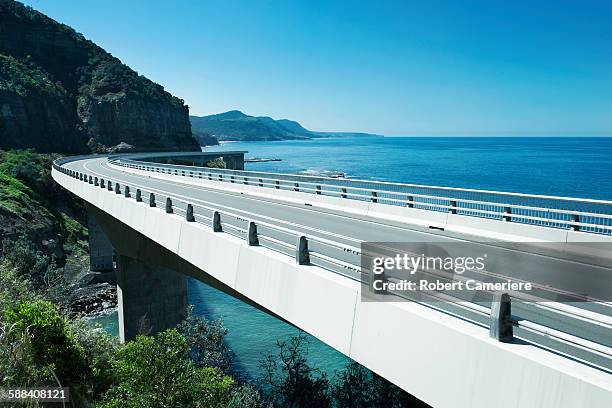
(58, 90)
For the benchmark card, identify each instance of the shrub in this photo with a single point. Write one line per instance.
(23, 256)
(157, 372)
(217, 163)
(50, 342)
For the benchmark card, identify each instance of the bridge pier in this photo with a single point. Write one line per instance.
(151, 298)
(101, 251)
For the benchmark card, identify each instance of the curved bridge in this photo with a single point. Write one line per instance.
(291, 245)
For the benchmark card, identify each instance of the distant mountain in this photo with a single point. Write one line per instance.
(345, 134)
(235, 125)
(60, 92)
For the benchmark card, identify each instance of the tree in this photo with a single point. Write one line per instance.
(358, 387)
(157, 372)
(353, 387)
(206, 341)
(290, 381)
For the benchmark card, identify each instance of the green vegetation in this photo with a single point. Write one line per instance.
(49, 339)
(34, 206)
(40, 347)
(22, 79)
(157, 372)
(217, 163)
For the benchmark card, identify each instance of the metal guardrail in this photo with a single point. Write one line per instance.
(586, 215)
(308, 249)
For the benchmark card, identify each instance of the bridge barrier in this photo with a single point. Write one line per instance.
(344, 259)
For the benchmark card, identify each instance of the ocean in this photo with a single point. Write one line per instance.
(577, 167)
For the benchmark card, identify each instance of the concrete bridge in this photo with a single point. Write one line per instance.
(291, 246)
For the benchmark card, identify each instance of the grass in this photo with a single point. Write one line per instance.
(15, 197)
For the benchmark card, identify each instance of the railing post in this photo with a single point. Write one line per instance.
(501, 318)
(90, 179)
(102, 183)
(277, 184)
(318, 188)
(296, 186)
(110, 185)
(245, 180)
(216, 222)
(189, 214)
(96, 182)
(575, 219)
(410, 202)
(260, 183)
(506, 215)
(252, 239)
(374, 197)
(209, 175)
(117, 188)
(169, 209)
(343, 195)
(302, 255)
(378, 277)
(452, 207)
(232, 179)
(138, 195)
(126, 192)
(152, 200)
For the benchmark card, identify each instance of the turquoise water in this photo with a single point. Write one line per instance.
(578, 167)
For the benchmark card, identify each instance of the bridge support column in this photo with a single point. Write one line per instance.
(101, 249)
(151, 298)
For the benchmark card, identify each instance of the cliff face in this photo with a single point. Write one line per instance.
(63, 90)
(34, 111)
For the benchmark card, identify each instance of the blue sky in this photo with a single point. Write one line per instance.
(464, 67)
